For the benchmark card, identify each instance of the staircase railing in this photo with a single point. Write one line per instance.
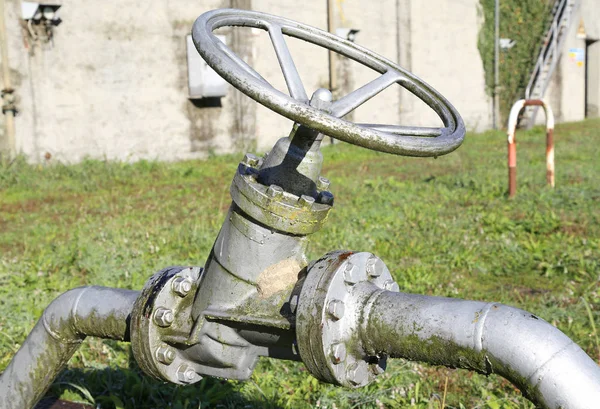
(550, 52)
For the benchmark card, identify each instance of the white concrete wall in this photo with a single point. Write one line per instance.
(113, 83)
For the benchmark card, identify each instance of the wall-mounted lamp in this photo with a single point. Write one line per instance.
(507, 43)
(40, 19)
(347, 33)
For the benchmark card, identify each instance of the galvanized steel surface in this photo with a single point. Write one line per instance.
(329, 315)
(548, 367)
(410, 141)
(65, 323)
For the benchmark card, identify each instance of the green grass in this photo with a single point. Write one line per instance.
(444, 227)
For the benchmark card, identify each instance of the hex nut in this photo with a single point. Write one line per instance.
(323, 183)
(391, 285)
(306, 201)
(357, 373)
(374, 266)
(165, 354)
(336, 309)
(325, 198)
(274, 191)
(351, 274)
(378, 367)
(163, 317)
(186, 374)
(338, 353)
(182, 286)
(251, 160)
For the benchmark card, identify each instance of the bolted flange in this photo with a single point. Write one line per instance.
(154, 326)
(277, 208)
(335, 291)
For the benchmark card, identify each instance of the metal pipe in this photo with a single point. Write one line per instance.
(496, 100)
(512, 142)
(547, 366)
(7, 92)
(85, 311)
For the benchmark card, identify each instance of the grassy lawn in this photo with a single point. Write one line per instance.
(443, 226)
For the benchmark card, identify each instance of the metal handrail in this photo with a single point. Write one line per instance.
(549, 48)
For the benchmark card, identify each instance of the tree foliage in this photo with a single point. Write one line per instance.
(524, 21)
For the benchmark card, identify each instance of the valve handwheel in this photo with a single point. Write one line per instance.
(400, 140)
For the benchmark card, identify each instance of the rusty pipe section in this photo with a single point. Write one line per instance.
(65, 323)
(545, 364)
(512, 142)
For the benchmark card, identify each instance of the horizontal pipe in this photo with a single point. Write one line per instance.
(65, 323)
(545, 364)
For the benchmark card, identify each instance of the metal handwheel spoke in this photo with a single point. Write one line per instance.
(358, 97)
(290, 73)
(234, 57)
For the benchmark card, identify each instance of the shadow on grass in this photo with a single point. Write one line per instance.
(130, 388)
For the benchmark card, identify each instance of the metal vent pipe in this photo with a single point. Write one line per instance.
(66, 322)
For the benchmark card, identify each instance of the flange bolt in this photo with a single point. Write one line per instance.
(338, 353)
(163, 317)
(374, 266)
(357, 373)
(323, 183)
(379, 366)
(251, 160)
(336, 309)
(274, 191)
(351, 274)
(306, 201)
(186, 374)
(325, 197)
(165, 354)
(391, 285)
(182, 286)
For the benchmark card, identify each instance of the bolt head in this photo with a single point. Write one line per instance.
(351, 274)
(357, 373)
(336, 309)
(326, 198)
(165, 354)
(164, 317)
(374, 266)
(306, 201)
(338, 353)
(186, 374)
(182, 286)
(391, 285)
(323, 183)
(274, 191)
(378, 367)
(251, 160)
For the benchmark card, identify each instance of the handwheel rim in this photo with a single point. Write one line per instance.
(244, 78)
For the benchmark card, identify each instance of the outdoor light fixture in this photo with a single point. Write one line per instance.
(347, 33)
(40, 19)
(507, 43)
(40, 11)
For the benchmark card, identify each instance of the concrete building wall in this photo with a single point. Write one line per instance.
(113, 82)
(577, 70)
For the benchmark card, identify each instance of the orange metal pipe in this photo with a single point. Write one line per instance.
(512, 142)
